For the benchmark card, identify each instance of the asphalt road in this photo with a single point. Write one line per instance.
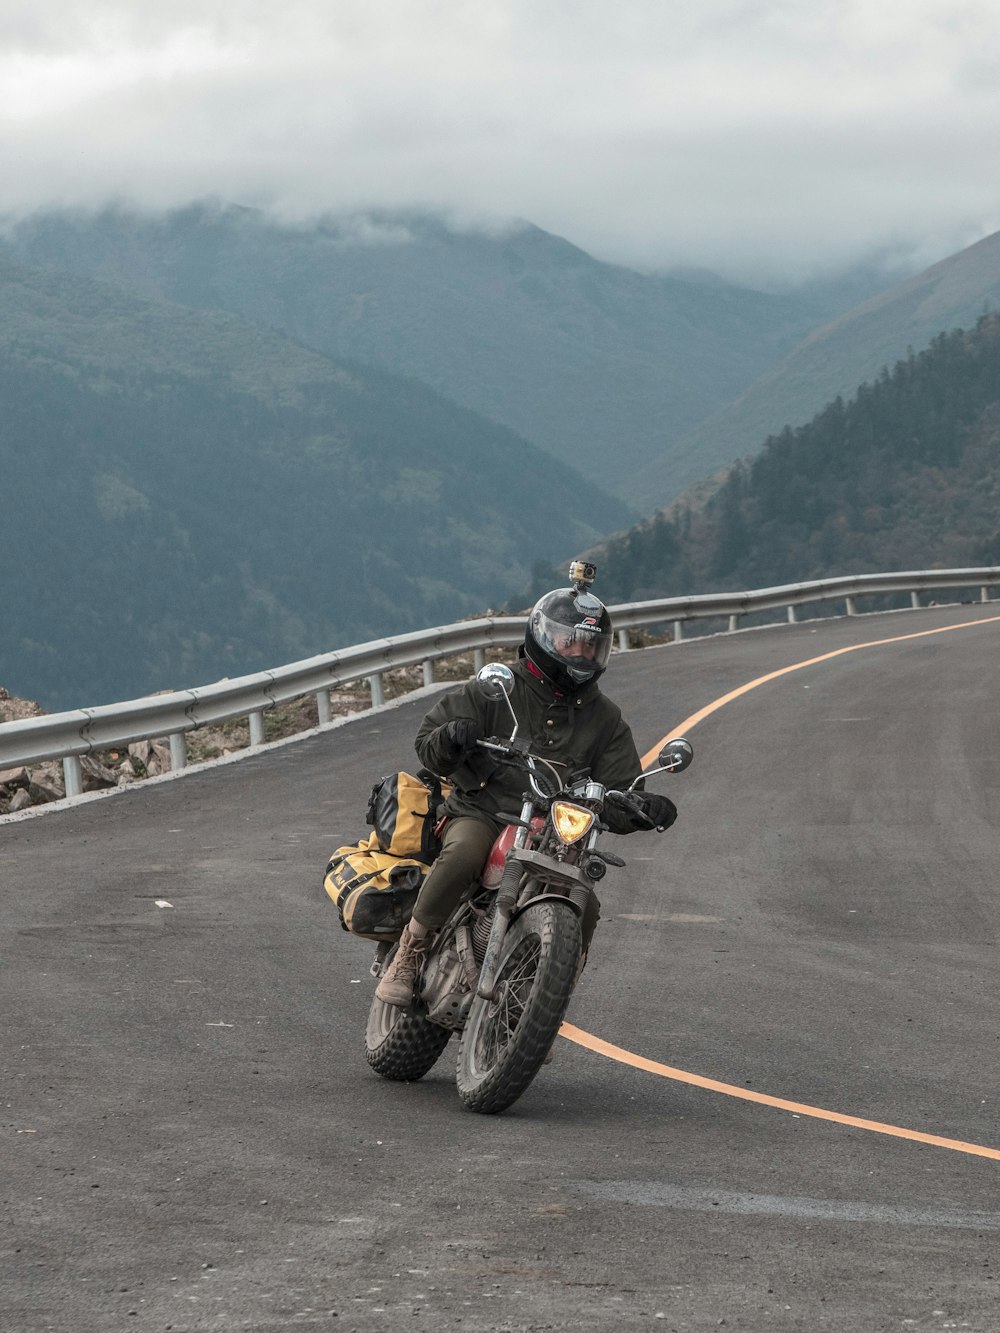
(193, 1141)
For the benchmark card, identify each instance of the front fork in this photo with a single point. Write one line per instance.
(510, 882)
(576, 896)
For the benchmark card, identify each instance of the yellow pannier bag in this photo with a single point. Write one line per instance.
(404, 811)
(373, 890)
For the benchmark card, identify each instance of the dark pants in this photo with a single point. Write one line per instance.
(464, 848)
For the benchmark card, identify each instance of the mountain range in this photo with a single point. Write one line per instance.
(905, 474)
(227, 441)
(836, 358)
(186, 495)
(603, 368)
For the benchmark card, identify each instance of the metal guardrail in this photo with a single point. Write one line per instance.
(84, 731)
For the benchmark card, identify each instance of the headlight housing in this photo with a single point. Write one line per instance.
(571, 822)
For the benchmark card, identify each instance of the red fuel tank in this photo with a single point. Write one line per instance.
(498, 853)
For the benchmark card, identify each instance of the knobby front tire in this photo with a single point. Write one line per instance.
(506, 1040)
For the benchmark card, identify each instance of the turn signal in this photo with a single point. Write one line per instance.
(571, 822)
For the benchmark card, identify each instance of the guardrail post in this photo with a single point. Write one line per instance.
(323, 707)
(915, 600)
(256, 721)
(984, 594)
(623, 641)
(733, 622)
(478, 659)
(852, 610)
(178, 751)
(678, 632)
(428, 671)
(72, 775)
(375, 685)
(792, 617)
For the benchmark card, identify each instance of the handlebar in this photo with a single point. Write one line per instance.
(519, 754)
(500, 746)
(628, 800)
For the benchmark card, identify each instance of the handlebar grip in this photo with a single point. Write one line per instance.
(628, 801)
(624, 798)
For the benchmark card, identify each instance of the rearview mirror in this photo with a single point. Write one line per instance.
(676, 754)
(495, 680)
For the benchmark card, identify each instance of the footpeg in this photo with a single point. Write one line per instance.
(378, 962)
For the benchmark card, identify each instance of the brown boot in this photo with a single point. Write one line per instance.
(396, 986)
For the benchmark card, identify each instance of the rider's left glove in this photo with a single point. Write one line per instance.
(659, 810)
(461, 735)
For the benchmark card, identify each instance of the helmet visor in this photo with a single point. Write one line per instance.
(582, 647)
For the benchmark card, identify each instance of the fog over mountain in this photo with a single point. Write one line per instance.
(264, 408)
(762, 140)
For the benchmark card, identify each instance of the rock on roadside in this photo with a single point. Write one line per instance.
(21, 787)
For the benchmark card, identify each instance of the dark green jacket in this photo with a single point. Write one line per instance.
(584, 730)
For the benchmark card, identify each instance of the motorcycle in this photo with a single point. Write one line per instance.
(502, 969)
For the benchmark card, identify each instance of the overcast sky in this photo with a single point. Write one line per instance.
(747, 136)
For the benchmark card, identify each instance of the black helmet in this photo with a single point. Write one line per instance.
(568, 637)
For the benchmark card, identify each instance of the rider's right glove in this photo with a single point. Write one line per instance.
(461, 735)
(659, 810)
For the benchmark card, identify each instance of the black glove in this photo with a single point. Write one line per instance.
(659, 810)
(461, 735)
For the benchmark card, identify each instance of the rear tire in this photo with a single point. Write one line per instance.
(505, 1042)
(400, 1044)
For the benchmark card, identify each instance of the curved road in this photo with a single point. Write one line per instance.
(192, 1139)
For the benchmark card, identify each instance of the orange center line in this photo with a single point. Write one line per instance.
(691, 722)
(601, 1047)
(624, 1057)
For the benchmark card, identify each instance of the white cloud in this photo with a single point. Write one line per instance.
(744, 135)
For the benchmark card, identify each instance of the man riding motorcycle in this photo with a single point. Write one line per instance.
(567, 644)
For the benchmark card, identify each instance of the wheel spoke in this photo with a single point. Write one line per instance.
(514, 983)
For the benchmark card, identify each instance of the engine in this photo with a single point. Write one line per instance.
(445, 990)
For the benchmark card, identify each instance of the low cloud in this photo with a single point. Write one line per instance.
(756, 137)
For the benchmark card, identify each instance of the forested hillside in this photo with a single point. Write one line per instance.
(835, 359)
(906, 475)
(185, 496)
(602, 367)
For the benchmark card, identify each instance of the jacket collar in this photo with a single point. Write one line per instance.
(530, 667)
(536, 681)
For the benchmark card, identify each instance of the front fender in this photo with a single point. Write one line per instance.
(578, 908)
